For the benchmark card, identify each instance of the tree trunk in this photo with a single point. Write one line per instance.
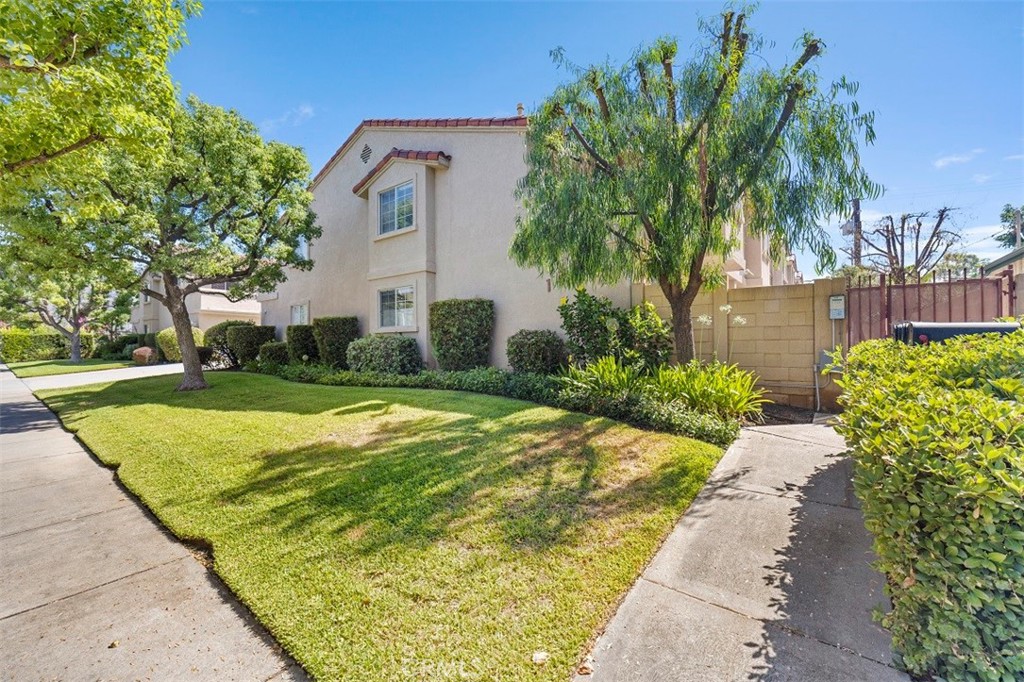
(682, 325)
(76, 345)
(193, 379)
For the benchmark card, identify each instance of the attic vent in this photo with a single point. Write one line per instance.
(365, 154)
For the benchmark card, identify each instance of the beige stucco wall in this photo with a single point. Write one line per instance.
(205, 310)
(463, 224)
(786, 328)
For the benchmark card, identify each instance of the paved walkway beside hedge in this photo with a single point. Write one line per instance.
(767, 576)
(91, 588)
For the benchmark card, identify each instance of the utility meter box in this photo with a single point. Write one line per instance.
(837, 307)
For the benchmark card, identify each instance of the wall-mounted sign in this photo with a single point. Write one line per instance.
(837, 307)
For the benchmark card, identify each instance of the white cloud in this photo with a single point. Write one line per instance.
(292, 118)
(1014, 157)
(944, 161)
(981, 178)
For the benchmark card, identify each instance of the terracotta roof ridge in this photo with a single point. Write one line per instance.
(492, 122)
(436, 157)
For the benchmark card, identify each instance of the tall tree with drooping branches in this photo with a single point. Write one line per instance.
(221, 206)
(648, 170)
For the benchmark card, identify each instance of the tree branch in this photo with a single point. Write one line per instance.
(43, 157)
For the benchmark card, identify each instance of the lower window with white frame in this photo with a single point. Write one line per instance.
(300, 313)
(397, 307)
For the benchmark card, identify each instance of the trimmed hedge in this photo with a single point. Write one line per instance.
(386, 354)
(205, 355)
(149, 340)
(217, 339)
(167, 340)
(244, 341)
(301, 343)
(937, 437)
(536, 350)
(333, 335)
(539, 388)
(274, 353)
(460, 332)
(23, 345)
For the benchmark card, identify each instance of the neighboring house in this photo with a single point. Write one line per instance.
(206, 308)
(1014, 259)
(416, 211)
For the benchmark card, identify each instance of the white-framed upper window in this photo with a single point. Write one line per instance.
(396, 208)
(397, 307)
(219, 286)
(302, 248)
(300, 313)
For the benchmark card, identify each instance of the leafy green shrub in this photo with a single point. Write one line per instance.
(301, 343)
(937, 437)
(22, 345)
(274, 353)
(167, 340)
(385, 353)
(536, 350)
(725, 390)
(460, 332)
(594, 329)
(244, 341)
(333, 334)
(603, 379)
(217, 339)
(150, 340)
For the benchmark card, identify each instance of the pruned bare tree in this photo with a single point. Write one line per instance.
(911, 245)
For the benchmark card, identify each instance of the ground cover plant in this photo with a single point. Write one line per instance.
(937, 436)
(391, 534)
(42, 368)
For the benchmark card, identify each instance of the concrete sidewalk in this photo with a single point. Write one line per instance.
(91, 588)
(766, 577)
(99, 377)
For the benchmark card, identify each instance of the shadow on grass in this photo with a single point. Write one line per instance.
(511, 471)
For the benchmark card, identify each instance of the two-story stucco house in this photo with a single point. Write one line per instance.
(416, 211)
(206, 308)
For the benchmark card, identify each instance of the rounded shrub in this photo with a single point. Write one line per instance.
(274, 353)
(460, 332)
(540, 351)
(205, 354)
(167, 340)
(301, 343)
(333, 335)
(244, 341)
(385, 354)
(936, 433)
(149, 340)
(217, 339)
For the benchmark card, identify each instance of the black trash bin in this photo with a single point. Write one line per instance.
(916, 333)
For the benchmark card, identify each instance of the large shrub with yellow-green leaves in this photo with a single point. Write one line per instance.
(937, 436)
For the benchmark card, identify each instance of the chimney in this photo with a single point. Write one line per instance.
(519, 109)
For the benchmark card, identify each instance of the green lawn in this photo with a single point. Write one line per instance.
(400, 534)
(42, 368)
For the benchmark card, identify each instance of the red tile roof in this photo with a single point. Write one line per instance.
(432, 158)
(510, 122)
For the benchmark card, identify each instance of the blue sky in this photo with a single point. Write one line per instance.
(946, 79)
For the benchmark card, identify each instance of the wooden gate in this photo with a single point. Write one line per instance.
(874, 304)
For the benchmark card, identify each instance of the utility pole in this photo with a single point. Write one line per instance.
(857, 231)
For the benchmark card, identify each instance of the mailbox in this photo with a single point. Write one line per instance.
(919, 333)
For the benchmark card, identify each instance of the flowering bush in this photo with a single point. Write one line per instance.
(594, 329)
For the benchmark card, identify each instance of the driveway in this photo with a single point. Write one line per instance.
(91, 587)
(766, 577)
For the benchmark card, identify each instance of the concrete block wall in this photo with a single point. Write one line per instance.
(775, 331)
